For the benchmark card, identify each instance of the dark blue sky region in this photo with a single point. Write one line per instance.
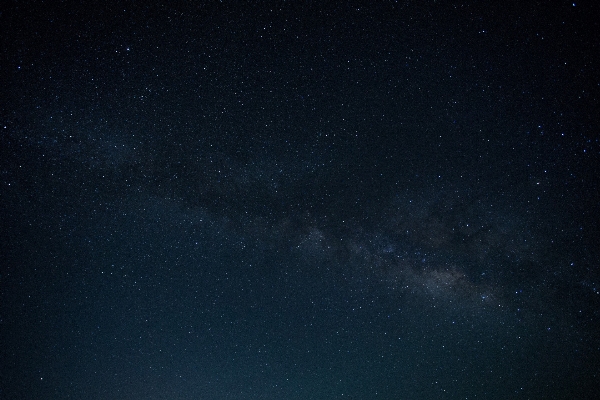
(297, 200)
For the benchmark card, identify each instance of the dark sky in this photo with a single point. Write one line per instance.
(299, 200)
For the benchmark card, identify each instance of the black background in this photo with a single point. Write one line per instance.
(299, 200)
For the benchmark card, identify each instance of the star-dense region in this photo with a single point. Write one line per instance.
(299, 200)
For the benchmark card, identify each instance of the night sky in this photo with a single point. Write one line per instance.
(299, 200)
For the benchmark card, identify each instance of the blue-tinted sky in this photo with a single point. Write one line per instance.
(297, 200)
